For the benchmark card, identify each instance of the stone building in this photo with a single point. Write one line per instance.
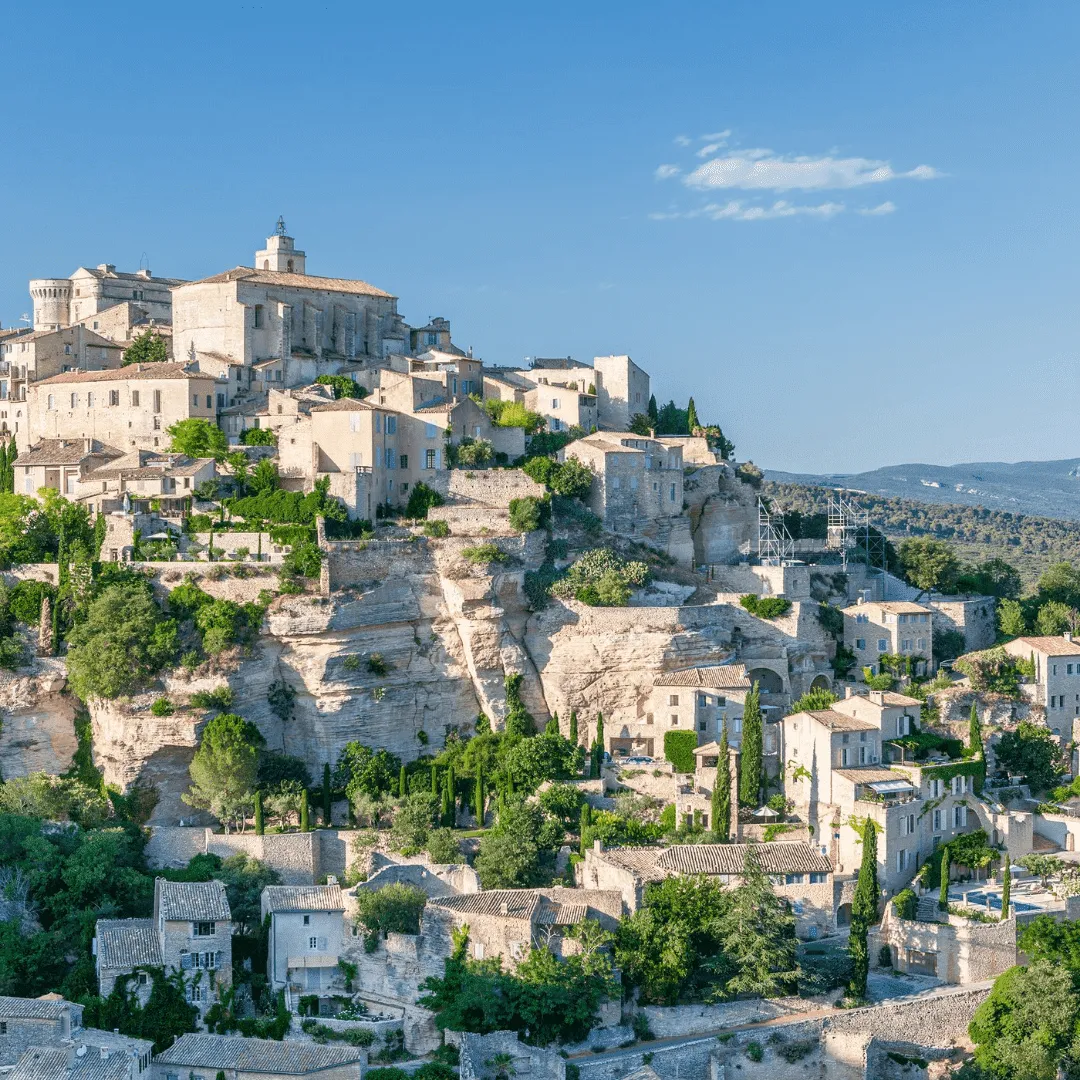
(638, 480)
(1056, 685)
(141, 482)
(133, 407)
(204, 1057)
(798, 872)
(26, 1022)
(35, 355)
(231, 322)
(190, 932)
(895, 627)
(622, 391)
(973, 616)
(507, 923)
(306, 935)
(60, 464)
(60, 302)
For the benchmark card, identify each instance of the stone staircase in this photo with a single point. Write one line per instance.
(927, 910)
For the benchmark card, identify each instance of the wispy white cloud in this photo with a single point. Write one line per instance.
(709, 148)
(739, 210)
(764, 170)
(682, 140)
(717, 136)
(665, 172)
(877, 211)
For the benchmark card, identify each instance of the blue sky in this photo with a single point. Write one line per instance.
(505, 168)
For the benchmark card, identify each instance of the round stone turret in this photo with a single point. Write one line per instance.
(52, 302)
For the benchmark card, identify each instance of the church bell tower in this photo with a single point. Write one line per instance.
(280, 253)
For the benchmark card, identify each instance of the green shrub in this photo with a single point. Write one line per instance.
(525, 514)
(905, 903)
(600, 578)
(421, 499)
(679, 747)
(344, 387)
(754, 1051)
(24, 600)
(221, 697)
(437, 530)
(482, 554)
(161, 707)
(796, 1051)
(258, 437)
(765, 607)
(376, 664)
(472, 452)
(305, 560)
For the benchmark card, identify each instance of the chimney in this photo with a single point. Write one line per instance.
(598, 846)
(331, 879)
(104, 1053)
(877, 697)
(505, 908)
(1067, 635)
(849, 691)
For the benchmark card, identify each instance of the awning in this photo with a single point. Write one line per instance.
(315, 960)
(890, 787)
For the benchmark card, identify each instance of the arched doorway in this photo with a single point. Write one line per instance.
(821, 682)
(843, 915)
(768, 680)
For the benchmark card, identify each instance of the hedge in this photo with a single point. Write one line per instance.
(905, 903)
(679, 747)
(765, 607)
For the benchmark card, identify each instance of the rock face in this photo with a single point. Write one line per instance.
(37, 729)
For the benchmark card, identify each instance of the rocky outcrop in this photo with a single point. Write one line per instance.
(37, 721)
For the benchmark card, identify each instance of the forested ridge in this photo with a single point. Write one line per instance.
(1031, 544)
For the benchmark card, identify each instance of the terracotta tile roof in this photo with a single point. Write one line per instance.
(121, 275)
(435, 405)
(776, 857)
(893, 698)
(345, 404)
(202, 1051)
(837, 721)
(527, 904)
(24, 1008)
(713, 676)
(193, 901)
(894, 607)
(127, 374)
(64, 452)
(282, 898)
(52, 1063)
(294, 281)
(1052, 646)
(124, 944)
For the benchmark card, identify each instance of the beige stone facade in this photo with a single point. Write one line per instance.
(896, 627)
(60, 302)
(30, 357)
(129, 408)
(60, 465)
(622, 391)
(1056, 685)
(306, 936)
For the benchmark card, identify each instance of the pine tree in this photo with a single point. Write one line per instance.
(721, 796)
(1006, 888)
(758, 935)
(402, 783)
(478, 796)
(864, 910)
(573, 736)
(327, 804)
(259, 825)
(691, 417)
(305, 820)
(943, 896)
(752, 750)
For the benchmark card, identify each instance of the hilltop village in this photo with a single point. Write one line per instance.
(373, 710)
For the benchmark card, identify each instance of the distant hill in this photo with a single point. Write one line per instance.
(1049, 489)
(1030, 543)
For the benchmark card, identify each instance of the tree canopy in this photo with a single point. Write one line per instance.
(225, 768)
(198, 438)
(149, 347)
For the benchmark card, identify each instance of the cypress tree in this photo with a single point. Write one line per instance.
(3, 465)
(327, 805)
(1006, 888)
(573, 736)
(402, 783)
(305, 819)
(691, 417)
(863, 910)
(583, 828)
(451, 785)
(750, 759)
(434, 780)
(600, 731)
(654, 412)
(445, 811)
(259, 824)
(721, 796)
(552, 726)
(943, 896)
(975, 746)
(478, 796)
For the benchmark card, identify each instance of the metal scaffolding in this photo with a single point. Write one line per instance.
(774, 543)
(851, 533)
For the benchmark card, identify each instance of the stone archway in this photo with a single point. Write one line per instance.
(843, 915)
(767, 679)
(821, 682)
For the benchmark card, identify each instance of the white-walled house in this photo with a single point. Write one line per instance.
(307, 928)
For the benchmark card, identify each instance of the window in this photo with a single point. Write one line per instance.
(404, 460)
(615, 483)
(959, 814)
(209, 402)
(901, 860)
(114, 397)
(135, 398)
(142, 978)
(672, 492)
(922, 644)
(903, 725)
(258, 316)
(194, 994)
(794, 879)
(819, 879)
(207, 961)
(937, 821)
(430, 431)
(203, 929)
(860, 643)
(194, 401)
(74, 401)
(157, 424)
(3, 1027)
(391, 457)
(429, 459)
(674, 719)
(312, 942)
(391, 425)
(882, 644)
(157, 401)
(307, 920)
(907, 825)
(844, 758)
(958, 785)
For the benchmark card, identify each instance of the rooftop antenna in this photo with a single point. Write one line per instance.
(24, 317)
(279, 228)
(144, 261)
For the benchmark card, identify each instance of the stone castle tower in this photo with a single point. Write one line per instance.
(280, 253)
